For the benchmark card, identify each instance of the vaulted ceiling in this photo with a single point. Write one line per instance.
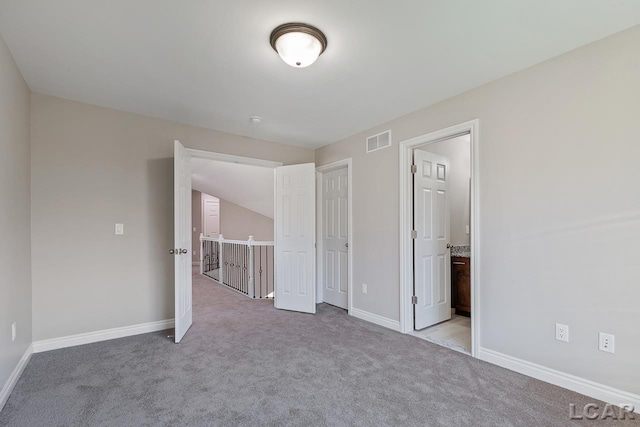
(248, 186)
(209, 62)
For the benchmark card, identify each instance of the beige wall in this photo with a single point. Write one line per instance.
(93, 167)
(559, 209)
(458, 151)
(15, 215)
(196, 223)
(238, 223)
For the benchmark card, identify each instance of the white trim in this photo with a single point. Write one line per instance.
(11, 382)
(561, 379)
(104, 335)
(375, 318)
(319, 216)
(210, 155)
(406, 277)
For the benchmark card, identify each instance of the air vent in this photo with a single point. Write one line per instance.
(379, 141)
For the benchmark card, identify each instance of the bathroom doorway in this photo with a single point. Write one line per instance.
(441, 244)
(439, 214)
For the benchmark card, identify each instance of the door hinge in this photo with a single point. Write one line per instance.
(414, 168)
(414, 234)
(414, 300)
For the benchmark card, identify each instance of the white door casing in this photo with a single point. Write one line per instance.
(432, 260)
(335, 242)
(182, 239)
(295, 238)
(211, 216)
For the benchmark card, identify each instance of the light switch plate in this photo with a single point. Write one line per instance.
(119, 229)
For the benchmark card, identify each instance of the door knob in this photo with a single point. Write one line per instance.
(346, 245)
(183, 251)
(449, 245)
(172, 251)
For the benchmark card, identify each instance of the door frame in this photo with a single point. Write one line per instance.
(320, 170)
(406, 147)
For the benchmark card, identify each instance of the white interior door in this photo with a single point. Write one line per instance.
(335, 242)
(182, 239)
(295, 223)
(432, 279)
(211, 215)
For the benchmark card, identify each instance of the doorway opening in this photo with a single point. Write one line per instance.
(233, 225)
(334, 229)
(442, 245)
(439, 237)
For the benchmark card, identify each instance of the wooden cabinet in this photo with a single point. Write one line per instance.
(461, 285)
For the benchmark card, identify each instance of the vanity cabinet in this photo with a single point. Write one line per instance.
(461, 285)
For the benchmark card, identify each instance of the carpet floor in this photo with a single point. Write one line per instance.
(244, 363)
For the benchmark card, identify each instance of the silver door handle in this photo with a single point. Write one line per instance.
(449, 245)
(183, 251)
(346, 245)
(172, 251)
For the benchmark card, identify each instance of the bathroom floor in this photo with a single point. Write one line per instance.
(454, 334)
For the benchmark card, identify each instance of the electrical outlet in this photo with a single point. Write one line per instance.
(194, 253)
(119, 229)
(13, 331)
(364, 288)
(562, 332)
(607, 342)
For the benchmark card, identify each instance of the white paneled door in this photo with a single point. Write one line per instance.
(295, 223)
(182, 239)
(432, 280)
(335, 234)
(211, 215)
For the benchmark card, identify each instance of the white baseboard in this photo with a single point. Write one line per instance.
(571, 382)
(375, 318)
(8, 386)
(104, 335)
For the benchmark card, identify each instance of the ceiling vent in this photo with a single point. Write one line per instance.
(379, 141)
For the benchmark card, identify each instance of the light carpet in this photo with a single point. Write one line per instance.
(244, 363)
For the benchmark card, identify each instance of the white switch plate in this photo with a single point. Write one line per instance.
(119, 229)
(562, 332)
(467, 229)
(194, 229)
(607, 342)
(364, 288)
(13, 331)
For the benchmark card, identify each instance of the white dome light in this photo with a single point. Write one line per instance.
(299, 45)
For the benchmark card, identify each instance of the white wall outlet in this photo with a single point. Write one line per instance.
(607, 342)
(194, 229)
(562, 332)
(194, 253)
(13, 331)
(364, 288)
(119, 229)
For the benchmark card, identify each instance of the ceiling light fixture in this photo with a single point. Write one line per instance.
(299, 45)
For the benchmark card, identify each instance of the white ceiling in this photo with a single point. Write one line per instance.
(248, 186)
(209, 62)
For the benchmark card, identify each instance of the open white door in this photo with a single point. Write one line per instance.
(295, 225)
(182, 239)
(432, 260)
